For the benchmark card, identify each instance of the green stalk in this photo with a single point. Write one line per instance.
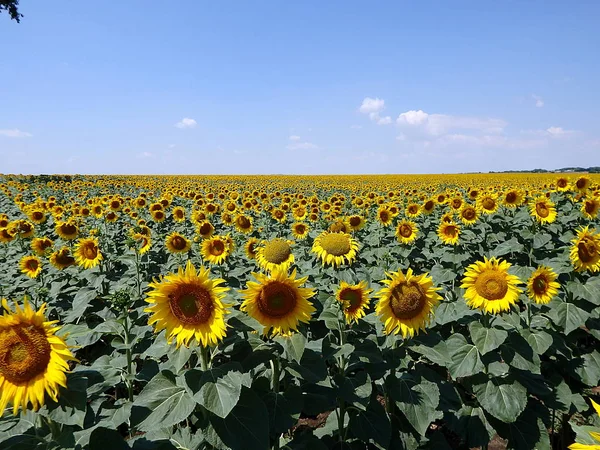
(205, 358)
(129, 379)
(275, 369)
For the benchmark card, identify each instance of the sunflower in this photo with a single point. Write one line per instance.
(6, 235)
(67, 230)
(243, 223)
(188, 304)
(177, 243)
(354, 299)
(468, 215)
(300, 230)
(158, 215)
(413, 210)
(490, 287)
(594, 434)
(335, 248)
(275, 253)
(487, 203)
(356, 222)
(143, 242)
(40, 245)
(24, 228)
(36, 215)
(33, 360)
(30, 266)
(384, 216)
(512, 198)
(339, 226)
(541, 286)
(449, 232)
(62, 258)
(590, 208)
(406, 302)
(456, 203)
(543, 210)
(562, 184)
(585, 251)
(429, 206)
(278, 302)
(406, 231)
(583, 183)
(251, 248)
(205, 229)
(178, 214)
(87, 253)
(215, 249)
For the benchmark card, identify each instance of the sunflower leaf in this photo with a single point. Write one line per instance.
(465, 360)
(502, 398)
(486, 339)
(568, 316)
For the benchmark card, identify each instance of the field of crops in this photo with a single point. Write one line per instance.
(251, 312)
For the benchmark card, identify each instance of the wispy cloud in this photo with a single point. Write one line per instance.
(186, 122)
(293, 137)
(440, 124)
(539, 101)
(302, 146)
(145, 155)
(14, 133)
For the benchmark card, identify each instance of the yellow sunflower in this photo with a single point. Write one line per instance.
(278, 302)
(300, 230)
(542, 285)
(562, 184)
(406, 302)
(205, 229)
(275, 253)
(384, 216)
(67, 230)
(30, 266)
(413, 210)
(157, 215)
(40, 245)
(251, 248)
(243, 223)
(582, 183)
(178, 214)
(512, 198)
(585, 251)
(356, 222)
(24, 228)
(594, 434)
(490, 287)
(143, 242)
(335, 248)
(487, 203)
(406, 231)
(188, 304)
(87, 254)
(590, 208)
(429, 206)
(6, 235)
(177, 243)
(215, 249)
(354, 299)
(62, 258)
(449, 232)
(33, 360)
(468, 214)
(543, 210)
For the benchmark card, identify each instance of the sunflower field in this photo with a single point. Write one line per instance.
(288, 312)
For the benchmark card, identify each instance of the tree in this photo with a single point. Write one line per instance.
(12, 7)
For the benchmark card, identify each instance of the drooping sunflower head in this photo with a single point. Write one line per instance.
(542, 285)
(7, 234)
(41, 245)
(33, 360)
(251, 248)
(142, 242)
(243, 223)
(335, 248)
(177, 243)
(585, 251)
(339, 226)
(24, 228)
(278, 301)
(62, 258)
(300, 230)
(449, 232)
(490, 287)
(406, 231)
(87, 254)
(188, 305)
(590, 208)
(428, 206)
(543, 210)
(276, 253)
(406, 302)
(215, 249)
(354, 299)
(30, 266)
(469, 214)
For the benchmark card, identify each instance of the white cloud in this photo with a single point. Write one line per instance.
(558, 132)
(294, 138)
(145, 155)
(186, 122)
(15, 133)
(440, 124)
(412, 117)
(371, 105)
(302, 146)
(384, 120)
(539, 101)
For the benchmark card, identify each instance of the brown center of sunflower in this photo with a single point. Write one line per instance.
(384, 216)
(451, 231)
(217, 247)
(157, 214)
(468, 213)
(37, 215)
(31, 264)
(276, 299)
(24, 353)
(243, 222)
(211, 208)
(45, 243)
(252, 248)
(540, 285)
(90, 251)
(587, 250)
(179, 214)
(581, 183)
(405, 230)
(456, 203)
(191, 305)
(277, 251)
(178, 242)
(413, 209)
(336, 244)
(562, 183)
(278, 214)
(542, 209)
(205, 228)
(352, 298)
(64, 259)
(429, 205)
(300, 228)
(68, 229)
(407, 300)
(354, 221)
(590, 207)
(511, 197)
(488, 203)
(491, 285)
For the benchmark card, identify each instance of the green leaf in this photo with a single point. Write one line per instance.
(502, 398)
(590, 291)
(440, 274)
(486, 339)
(540, 341)
(72, 402)
(589, 371)
(284, 408)
(541, 239)
(246, 426)
(506, 247)
(293, 345)
(568, 316)
(220, 395)
(465, 360)
(372, 424)
(432, 346)
(169, 403)
(418, 401)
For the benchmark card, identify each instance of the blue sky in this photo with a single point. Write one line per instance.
(192, 87)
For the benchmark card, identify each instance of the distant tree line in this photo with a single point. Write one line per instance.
(594, 169)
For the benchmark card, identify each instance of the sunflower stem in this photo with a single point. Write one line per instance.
(275, 374)
(205, 358)
(130, 374)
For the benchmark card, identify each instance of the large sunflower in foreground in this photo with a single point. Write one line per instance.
(542, 209)
(335, 248)
(33, 360)
(354, 299)
(188, 304)
(490, 287)
(177, 243)
(275, 253)
(278, 302)
(87, 254)
(541, 286)
(30, 265)
(406, 302)
(406, 231)
(585, 251)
